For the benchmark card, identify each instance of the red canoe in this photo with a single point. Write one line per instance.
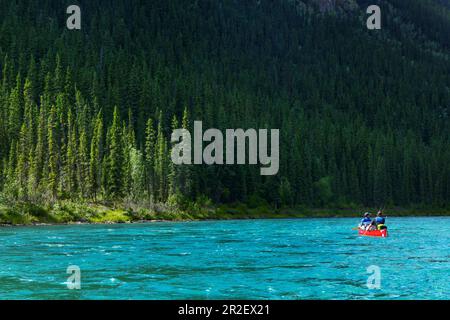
(373, 233)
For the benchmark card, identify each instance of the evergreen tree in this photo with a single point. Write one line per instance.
(96, 156)
(71, 165)
(15, 111)
(160, 164)
(83, 164)
(150, 143)
(115, 163)
(53, 154)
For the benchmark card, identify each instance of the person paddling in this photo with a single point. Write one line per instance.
(380, 221)
(366, 221)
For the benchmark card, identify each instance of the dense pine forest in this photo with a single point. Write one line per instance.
(86, 115)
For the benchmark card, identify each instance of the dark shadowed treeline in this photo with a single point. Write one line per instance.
(363, 115)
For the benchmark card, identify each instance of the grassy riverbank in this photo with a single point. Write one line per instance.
(70, 212)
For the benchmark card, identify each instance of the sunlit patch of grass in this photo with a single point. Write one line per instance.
(110, 216)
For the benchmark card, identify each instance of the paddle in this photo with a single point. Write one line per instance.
(358, 228)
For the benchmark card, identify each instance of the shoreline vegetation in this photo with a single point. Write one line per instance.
(67, 212)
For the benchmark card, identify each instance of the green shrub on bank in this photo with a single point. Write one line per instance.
(24, 213)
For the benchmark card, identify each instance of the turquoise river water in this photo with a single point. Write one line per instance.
(248, 259)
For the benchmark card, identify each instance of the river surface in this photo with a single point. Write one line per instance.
(249, 259)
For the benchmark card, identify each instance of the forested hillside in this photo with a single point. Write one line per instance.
(86, 115)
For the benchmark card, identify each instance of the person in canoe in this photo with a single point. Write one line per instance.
(380, 221)
(366, 222)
